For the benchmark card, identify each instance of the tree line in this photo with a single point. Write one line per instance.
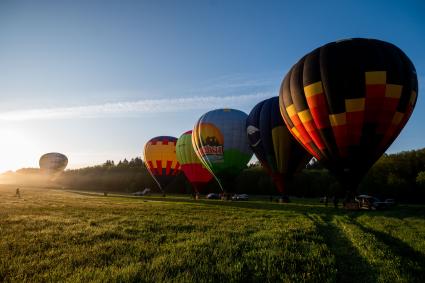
(400, 176)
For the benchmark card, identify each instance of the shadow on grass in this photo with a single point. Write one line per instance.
(251, 204)
(297, 206)
(351, 266)
(413, 262)
(399, 212)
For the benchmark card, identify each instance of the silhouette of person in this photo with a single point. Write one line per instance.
(335, 201)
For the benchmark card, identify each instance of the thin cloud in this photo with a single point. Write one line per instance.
(240, 83)
(135, 107)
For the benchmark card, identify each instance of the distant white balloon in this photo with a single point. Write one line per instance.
(53, 162)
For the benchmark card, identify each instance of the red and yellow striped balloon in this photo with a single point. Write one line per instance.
(160, 159)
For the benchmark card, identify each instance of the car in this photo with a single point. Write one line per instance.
(240, 197)
(213, 196)
(370, 202)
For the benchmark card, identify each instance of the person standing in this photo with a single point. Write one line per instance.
(335, 201)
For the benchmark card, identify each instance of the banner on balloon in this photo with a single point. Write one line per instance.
(212, 142)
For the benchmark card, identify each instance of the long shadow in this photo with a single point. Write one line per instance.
(350, 265)
(413, 262)
(256, 204)
(400, 212)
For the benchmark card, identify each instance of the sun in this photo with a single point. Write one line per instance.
(18, 149)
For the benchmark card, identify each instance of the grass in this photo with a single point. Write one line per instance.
(53, 235)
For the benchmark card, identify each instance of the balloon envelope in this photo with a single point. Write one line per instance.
(190, 164)
(219, 139)
(347, 101)
(53, 162)
(160, 159)
(279, 153)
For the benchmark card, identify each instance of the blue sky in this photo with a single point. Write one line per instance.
(96, 79)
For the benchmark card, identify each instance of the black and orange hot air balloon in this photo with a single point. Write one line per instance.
(274, 146)
(347, 101)
(161, 161)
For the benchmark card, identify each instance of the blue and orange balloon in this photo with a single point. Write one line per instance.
(219, 139)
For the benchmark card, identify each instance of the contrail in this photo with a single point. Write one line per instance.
(135, 107)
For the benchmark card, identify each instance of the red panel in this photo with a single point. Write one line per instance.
(307, 146)
(159, 167)
(374, 98)
(405, 118)
(176, 168)
(390, 103)
(394, 130)
(168, 168)
(391, 132)
(304, 136)
(150, 166)
(313, 152)
(389, 107)
(195, 173)
(319, 110)
(375, 91)
(320, 117)
(312, 131)
(355, 127)
(341, 139)
(309, 126)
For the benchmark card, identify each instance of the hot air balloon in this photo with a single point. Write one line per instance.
(190, 164)
(53, 162)
(219, 139)
(347, 101)
(279, 153)
(161, 160)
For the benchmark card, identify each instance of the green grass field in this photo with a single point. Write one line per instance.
(52, 235)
